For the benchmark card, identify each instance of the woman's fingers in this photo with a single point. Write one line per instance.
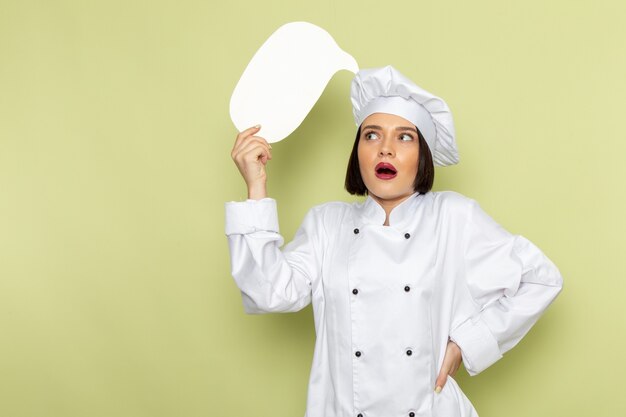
(245, 133)
(252, 142)
(243, 141)
(255, 152)
(441, 382)
(251, 155)
(451, 363)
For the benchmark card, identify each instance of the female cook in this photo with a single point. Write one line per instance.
(406, 284)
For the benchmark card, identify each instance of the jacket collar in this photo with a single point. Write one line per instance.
(371, 212)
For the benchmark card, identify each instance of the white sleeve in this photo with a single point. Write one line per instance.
(271, 279)
(511, 282)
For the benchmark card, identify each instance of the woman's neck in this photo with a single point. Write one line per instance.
(389, 204)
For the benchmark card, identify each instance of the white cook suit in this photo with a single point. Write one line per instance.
(387, 298)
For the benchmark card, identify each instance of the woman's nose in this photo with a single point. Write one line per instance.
(385, 149)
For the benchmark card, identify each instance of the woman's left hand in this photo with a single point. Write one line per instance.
(451, 363)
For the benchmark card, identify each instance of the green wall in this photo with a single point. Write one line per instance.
(115, 139)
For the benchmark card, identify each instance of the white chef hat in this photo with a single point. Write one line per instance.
(386, 90)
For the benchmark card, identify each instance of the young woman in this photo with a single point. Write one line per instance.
(405, 284)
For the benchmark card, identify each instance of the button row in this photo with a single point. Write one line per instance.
(411, 414)
(358, 353)
(406, 235)
(406, 288)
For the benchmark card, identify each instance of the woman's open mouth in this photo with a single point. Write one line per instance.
(385, 171)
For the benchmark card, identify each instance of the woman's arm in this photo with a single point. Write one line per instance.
(270, 280)
(512, 283)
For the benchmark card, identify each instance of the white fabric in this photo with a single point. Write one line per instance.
(407, 108)
(372, 90)
(468, 278)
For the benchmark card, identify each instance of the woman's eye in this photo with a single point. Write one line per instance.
(406, 137)
(369, 135)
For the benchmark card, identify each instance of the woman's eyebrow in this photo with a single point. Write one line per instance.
(401, 128)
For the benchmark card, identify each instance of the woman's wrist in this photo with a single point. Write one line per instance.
(257, 191)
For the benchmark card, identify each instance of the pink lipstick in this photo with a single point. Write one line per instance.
(385, 171)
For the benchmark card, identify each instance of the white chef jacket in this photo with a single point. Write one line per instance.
(387, 298)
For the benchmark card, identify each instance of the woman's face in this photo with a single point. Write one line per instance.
(388, 154)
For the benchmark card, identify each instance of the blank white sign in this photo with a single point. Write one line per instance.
(285, 78)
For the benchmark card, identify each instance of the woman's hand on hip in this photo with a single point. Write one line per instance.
(251, 154)
(451, 363)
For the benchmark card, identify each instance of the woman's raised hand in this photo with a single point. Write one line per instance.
(251, 154)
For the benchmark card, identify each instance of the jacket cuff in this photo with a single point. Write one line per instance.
(479, 347)
(243, 217)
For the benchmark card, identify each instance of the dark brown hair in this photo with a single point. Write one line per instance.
(425, 169)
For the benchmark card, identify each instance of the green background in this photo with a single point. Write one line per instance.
(115, 292)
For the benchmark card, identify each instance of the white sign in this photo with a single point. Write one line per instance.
(285, 78)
